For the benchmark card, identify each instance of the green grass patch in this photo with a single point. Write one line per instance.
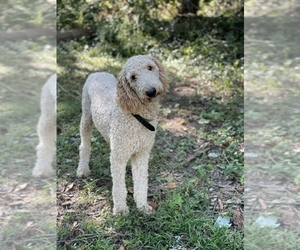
(181, 220)
(271, 118)
(179, 169)
(198, 149)
(28, 216)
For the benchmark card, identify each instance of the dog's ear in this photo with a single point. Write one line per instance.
(127, 98)
(162, 75)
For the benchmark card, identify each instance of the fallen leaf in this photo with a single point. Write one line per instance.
(122, 247)
(75, 229)
(262, 204)
(66, 203)
(20, 187)
(172, 185)
(220, 204)
(153, 205)
(238, 218)
(30, 228)
(184, 237)
(69, 187)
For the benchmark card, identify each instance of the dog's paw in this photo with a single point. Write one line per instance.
(146, 209)
(42, 171)
(83, 172)
(120, 211)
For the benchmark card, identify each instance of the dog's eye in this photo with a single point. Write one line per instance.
(150, 68)
(133, 77)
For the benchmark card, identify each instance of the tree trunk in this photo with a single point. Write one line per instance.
(33, 34)
(189, 7)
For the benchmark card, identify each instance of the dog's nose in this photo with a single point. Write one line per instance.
(151, 92)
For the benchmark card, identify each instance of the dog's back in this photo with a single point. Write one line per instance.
(99, 94)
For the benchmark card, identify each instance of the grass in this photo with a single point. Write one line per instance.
(20, 98)
(196, 165)
(28, 219)
(179, 216)
(270, 238)
(199, 116)
(271, 119)
(27, 207)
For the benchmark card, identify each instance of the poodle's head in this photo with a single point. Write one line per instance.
(141, 81)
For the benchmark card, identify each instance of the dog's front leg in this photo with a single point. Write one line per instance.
(119, 191)
(139, 164)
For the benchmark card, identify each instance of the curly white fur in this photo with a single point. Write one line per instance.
(109, 103)
(46, 130)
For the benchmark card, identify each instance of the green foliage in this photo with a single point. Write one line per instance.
(140, 27)
(26, 14)
(199, 50)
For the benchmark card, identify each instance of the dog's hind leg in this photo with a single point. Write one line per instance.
(46, 148)
(46, 129)
(86, 125)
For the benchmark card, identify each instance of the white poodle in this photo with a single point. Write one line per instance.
(124, 110)
(46, 129)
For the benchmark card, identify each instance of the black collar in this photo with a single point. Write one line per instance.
(144, 122)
